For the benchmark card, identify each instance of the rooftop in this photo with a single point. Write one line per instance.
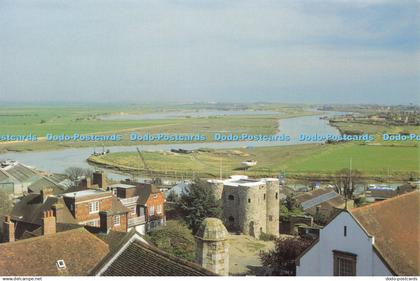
(136, 258)
(38, 256)
(122, 185)
(241, 180)
(395, 225)
(83, 193)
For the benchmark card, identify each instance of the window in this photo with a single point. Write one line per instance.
(134, 210)
(159, 209)
(151, 210)
(94, 223)
(345, 231)
(117, 220)
(231, 219)
(93, 207)
(61, 264)
(231, 197)
(249, 200)
(264, 196)
(344, 264)
(277, 195)
(270, 218)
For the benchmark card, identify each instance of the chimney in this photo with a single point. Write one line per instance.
(58, 210)
(48, 223)
(105, 221)
(99, 178)
(45, 193)
(8, 234)
(87, 182)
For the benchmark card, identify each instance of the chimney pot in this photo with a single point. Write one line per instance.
(8, 230)
(48, 223)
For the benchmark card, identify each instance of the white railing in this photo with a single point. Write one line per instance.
(136, 221)
(128, 201)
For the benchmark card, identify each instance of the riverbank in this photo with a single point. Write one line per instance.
(308, 161)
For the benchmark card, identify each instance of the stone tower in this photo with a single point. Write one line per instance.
(213, 246)
(217, 187)
(273, 206)
(250, 206)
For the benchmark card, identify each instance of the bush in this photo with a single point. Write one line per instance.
(175, 238)
(267, 237)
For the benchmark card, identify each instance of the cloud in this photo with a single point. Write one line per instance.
(199, 50)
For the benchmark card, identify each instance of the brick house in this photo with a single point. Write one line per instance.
(89, 206)
(145, 202)
(85, 207)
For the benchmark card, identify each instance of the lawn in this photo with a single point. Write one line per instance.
(372, 160)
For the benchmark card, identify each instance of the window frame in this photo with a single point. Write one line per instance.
(117, 220)
(91, 211)
(338, 257)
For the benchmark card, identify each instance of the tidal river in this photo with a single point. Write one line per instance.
(58, 160)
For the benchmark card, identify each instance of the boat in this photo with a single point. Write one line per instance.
(249, 163)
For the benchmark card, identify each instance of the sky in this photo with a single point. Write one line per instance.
(143, 51)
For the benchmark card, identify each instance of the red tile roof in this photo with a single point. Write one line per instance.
(80, 250)
(395, 225)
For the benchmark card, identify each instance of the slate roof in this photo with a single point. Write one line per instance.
(395, 224)
(22, 173)
(4, 177)
(80, 250)
(30, 209)
(140, 259)
(43, 182)
(327, 199)
(144, 191)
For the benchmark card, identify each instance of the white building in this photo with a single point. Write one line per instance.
(380, 239)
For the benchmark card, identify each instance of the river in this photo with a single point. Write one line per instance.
(58, 160)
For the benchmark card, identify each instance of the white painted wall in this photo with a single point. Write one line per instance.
(139, 228)
(318, 261)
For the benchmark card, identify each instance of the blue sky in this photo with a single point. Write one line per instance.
(329, 51)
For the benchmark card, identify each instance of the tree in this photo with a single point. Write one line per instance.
(345, 181)
(197, 203)
(75, 173)
(172, 196)
(291, 203)
(282, 260)
(174, 238)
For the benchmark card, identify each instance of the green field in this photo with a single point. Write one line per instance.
(309, 160)
(86, 120)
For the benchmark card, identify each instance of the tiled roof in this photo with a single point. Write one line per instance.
(112, 238)
(395, 225)
(80, 250)
(117, 206)
(140, 259)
